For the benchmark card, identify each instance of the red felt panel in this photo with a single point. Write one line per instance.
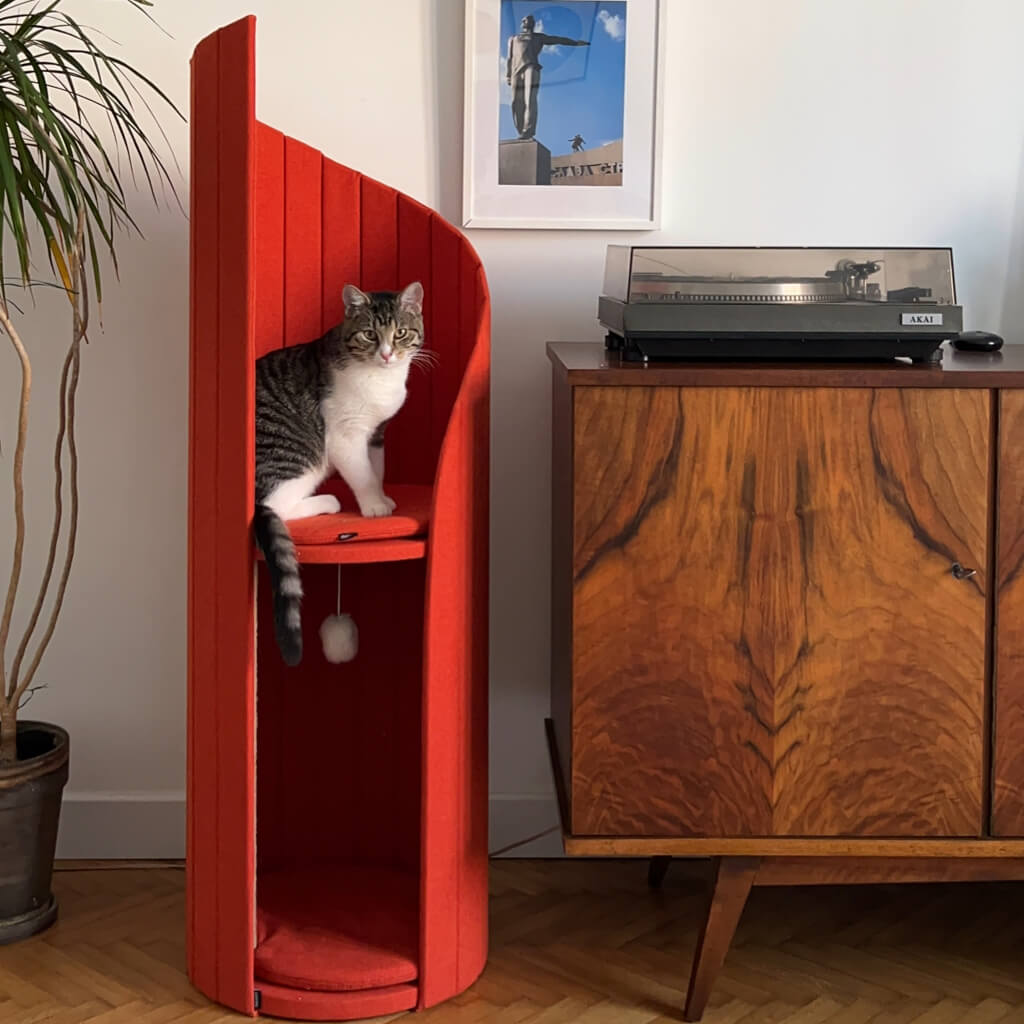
(408, 450)
(268, 232)
(379, 236)
(455, 696)
(273, 695)
(337, 926)
(446, 376)
(473, 922)
(348, 751)
(469, 305)
(302, 244)
(201, 862)
(295, 1004)
(341, 238)
(221, 870)
(235, 497)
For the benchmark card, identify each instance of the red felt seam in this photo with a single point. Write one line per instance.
(201, 862)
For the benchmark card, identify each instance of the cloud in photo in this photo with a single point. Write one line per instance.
(539, 27)
(614, 25)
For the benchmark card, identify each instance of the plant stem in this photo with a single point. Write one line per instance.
(79, 325)
(58, 513)
(6, 690)
(8, 735)
(79, 296)
(69, 556)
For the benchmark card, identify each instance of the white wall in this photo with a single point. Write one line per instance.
(794, 122)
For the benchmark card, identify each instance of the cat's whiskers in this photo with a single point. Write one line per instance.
(425, 358)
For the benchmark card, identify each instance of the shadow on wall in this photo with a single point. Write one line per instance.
(445, 83)
(1013, 301)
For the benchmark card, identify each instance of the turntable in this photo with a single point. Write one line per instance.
(778, 303)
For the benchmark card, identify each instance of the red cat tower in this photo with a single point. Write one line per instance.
(337, 815)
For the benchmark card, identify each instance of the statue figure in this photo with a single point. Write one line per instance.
(578, 143)
(522, 72)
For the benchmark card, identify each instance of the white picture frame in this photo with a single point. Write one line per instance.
(633, 205)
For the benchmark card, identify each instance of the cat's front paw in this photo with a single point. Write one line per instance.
(329, 504)
(315, 505)
(377, 506)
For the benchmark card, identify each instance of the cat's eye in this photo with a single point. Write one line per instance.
(370, 335)
(400, 333)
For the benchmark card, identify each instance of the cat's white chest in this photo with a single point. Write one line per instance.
(361, 399)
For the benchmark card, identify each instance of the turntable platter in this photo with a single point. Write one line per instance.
(667, 288)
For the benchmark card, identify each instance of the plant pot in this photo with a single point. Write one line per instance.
(30, 798)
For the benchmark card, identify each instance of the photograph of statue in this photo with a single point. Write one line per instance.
(563, 65)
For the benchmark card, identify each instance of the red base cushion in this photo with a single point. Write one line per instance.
(411, 517)
(304, 1004)
(337, 927)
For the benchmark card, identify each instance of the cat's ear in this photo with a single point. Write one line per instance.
(353, 297)
(411, 298)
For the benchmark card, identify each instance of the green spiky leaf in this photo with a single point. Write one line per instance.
(71, 129)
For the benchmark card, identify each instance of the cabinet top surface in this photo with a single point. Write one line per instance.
(589, 363)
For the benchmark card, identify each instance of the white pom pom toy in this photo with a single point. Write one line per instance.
(340, 638)
(339, 634)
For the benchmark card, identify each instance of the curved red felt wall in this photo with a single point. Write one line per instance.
(381, 763)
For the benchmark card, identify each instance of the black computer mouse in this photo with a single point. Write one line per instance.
(977, 341)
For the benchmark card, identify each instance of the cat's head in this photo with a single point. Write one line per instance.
(383, 328)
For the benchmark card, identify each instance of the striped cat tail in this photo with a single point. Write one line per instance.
(278, 549)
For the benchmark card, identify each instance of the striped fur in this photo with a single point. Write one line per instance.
(323, 406)
(285, 583)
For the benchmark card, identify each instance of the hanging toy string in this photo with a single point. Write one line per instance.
(338, 633)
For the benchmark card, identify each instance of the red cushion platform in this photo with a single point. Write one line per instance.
(337, 927)
(411, 517)
(292, 1003)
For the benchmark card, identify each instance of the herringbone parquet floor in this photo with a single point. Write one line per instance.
(581, 942)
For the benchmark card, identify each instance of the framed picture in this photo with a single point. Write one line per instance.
(562, 114)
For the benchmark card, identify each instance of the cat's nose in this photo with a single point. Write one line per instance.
(387, 356)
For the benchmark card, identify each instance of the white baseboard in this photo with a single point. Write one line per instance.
(151, 826)
(514, 818)
(122, 826)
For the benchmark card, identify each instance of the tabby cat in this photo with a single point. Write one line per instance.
(323, 406)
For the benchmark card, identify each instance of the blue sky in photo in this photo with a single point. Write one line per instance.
(582, 87)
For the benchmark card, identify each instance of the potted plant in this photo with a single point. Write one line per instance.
(69, 130)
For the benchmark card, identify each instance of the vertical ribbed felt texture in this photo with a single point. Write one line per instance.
(303, 177)
(220, 785)
(378, 229)
(382, 760)
(454, 880)
(268, 232)
(340, 237)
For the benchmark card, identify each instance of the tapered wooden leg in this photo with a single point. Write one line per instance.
(730, 887)
(656, 871)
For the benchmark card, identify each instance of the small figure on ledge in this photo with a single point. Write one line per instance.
(578, 143)
(522, 72)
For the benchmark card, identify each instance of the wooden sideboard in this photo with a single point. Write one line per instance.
(788, 621)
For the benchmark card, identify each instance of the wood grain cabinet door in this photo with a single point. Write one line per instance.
(768, 634)
(1008, 749)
